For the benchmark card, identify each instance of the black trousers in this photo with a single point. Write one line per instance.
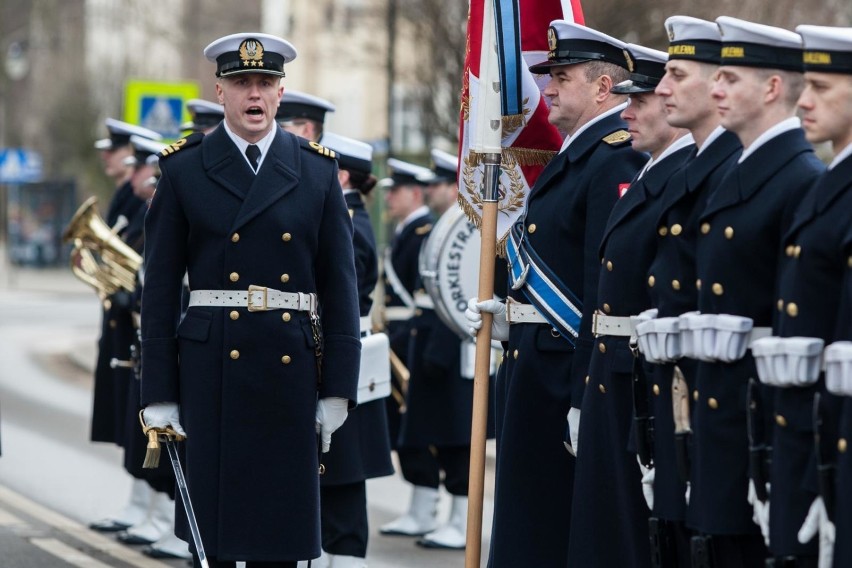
(345, 528)
(423, 466)
(735, 551)
(213, 563)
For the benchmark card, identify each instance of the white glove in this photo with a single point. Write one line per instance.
(499, 325)
(648, 474)
(163, 414)
(818, 521)
(331, 414)
(688, 491)
(761, 511)
(573, 431)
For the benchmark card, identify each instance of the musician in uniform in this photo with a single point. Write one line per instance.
(206, 116)
(117, 329)
(303, 114)
(740, 232)
(812, 267)
(266, 359)
(435, 429)
(361, 448)
(543, 373)
(404, 199)
(608, 483)
(694, 53)
(157, 527)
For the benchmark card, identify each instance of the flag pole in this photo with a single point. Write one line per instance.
(486, 142)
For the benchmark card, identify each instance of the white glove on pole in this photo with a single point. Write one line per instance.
(331, 414)
(162, 415)
(817, 521)
(761, 511)
(573, 431)
(648, 475)
(499, 325)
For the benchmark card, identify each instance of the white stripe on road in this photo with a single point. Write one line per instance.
(77, 531)
(7, 519)
(67, 553)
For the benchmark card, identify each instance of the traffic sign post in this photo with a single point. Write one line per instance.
(159, 106)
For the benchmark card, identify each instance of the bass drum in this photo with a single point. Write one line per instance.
(449, 268)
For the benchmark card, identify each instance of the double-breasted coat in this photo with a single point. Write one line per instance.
(607, 482)
(542, 375)
(671, 284)
(812, 267)
(740, 232)
(247, 382)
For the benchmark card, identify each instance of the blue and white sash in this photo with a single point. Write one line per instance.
(554, 300)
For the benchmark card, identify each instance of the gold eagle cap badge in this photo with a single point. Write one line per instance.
(251, 53)
(551, 39)
(629, 59)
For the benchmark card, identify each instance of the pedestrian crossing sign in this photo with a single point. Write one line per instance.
(159, 106)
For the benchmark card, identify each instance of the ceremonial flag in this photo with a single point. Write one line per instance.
(528, 140)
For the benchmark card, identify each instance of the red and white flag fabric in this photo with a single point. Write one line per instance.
(528, 141)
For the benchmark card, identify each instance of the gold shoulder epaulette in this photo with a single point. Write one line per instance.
(322, 150)
(174, 147)
(617, 137)
(424, 230)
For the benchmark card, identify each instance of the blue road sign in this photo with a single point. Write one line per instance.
(18, 165)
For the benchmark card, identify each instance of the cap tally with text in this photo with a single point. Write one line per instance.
(403, 173)
(695, 39)
(120, 133)
(445, 168)
(145, 151)
(747, 44)
(647, 67)
(352, 155)
(250, 53)
(205, 114)
(827, 49)
(569, 43)
(296, 104)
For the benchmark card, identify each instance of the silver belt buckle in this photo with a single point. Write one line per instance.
(264, 306)
(595, 324)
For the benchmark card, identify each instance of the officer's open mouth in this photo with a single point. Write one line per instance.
(255, 111)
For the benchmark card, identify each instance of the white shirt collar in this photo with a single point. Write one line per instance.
(348, 191)
(262, 144)
(598, 118)
(844, 153)
(678, 144)
(718, 131)
(419, 212)
(787, 124)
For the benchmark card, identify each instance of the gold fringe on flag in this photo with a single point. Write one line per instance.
(530, 156)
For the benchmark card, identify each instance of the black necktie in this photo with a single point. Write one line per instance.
(253, 155)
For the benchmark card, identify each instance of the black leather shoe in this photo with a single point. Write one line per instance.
(426, 543)
(128, 538)
(157, 553)
(108, 525)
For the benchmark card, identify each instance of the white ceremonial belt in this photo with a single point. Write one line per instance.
(424, 301)
(365, 324)
(614, 326)
(255, 299)
(398, 313)
(522, 313)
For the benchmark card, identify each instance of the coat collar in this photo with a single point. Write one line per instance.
(587, 141)
(827, 189)
(744, 180)
(649, 187)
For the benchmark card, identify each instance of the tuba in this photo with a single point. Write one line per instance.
(100, 258)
